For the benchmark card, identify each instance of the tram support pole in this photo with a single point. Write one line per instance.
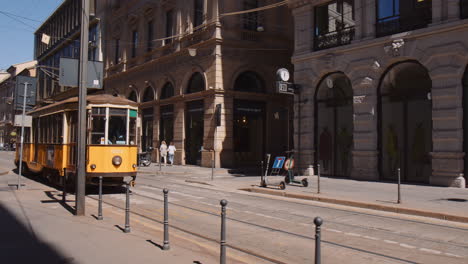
(22, 135)
(166, 245)
(100, 200)
(82, 91)
(318, 178)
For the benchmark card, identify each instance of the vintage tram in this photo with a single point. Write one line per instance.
(111, 148)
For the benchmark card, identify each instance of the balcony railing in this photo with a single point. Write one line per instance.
(334, 39)
(397, 24)
(464, 9)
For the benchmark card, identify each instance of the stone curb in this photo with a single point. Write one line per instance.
(393, 209)
(3, 171)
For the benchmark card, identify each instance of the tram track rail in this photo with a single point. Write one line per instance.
(248, 251)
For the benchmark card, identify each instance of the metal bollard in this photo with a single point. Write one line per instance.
(318, 222)
(399, 186)
(64, 186)
(261, 167)
(223, 232)
(166, 222)
(100, 200)
(318, 178)
(212, 168)
(127, 210)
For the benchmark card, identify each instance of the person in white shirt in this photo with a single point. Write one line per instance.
(163, 151)
(171, 150)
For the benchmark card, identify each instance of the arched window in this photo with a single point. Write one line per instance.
(167, 91)
(249, 82)
(133, 96)
(148, 95)
(196, 83)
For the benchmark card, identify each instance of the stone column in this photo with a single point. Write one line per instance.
(359, 13)
(447, 155)
(453, 10)
(303, 29)
(437, 11)
(368, 19)
(179, 132)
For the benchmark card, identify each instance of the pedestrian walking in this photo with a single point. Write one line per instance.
(171, 151)
(163, 151)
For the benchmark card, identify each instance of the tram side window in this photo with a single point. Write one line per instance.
(132, 127)
(98, 124)
(58, 127)
(118, 126)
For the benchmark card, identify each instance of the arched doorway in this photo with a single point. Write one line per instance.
(166, 120)
(167, 91)
(147, 120)
(249, 122)
(148, 96)
(196, 83)
(405, 123)
(133, 96)
(334, 125)
(465, 120)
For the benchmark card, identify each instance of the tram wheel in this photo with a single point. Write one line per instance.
(282, 185)
(305, 183)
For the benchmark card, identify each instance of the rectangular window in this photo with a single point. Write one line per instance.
(169, 26)
(98, 125)
(334, 24)
(117, 51)
(134, 43)
(250, 20)
(117, 126)
(132, 127)
(198, 13)
(150, 36)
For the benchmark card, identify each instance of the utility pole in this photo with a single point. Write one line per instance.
(81, 150)
(25, 95)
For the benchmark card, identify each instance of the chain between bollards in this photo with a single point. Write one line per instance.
(318, 222)
(100, 200)
(64, 186)
(127, 209)
(399, 186)
(166, 221)
(223, 232)
(318, 178)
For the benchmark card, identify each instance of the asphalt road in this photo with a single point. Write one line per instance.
(281, 230)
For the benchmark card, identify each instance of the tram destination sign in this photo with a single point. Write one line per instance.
(285, 87)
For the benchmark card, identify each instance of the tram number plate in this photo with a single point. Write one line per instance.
(117, 151)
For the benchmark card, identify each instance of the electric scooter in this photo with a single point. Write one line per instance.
(276, 167)
(289, 167)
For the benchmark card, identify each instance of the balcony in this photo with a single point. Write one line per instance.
(397, 24)
(463, 9)
(334, 39)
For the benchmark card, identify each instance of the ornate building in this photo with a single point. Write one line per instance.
(384, 87)
(203, 72)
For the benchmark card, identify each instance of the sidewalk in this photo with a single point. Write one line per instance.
(436, 202)
(38, 228)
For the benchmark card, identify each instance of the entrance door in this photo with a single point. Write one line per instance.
(147, 137)
(249, 132)
(334, 125)
(194, 131)
(166, 124)
(406, 123)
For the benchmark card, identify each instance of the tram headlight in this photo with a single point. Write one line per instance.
(134, 166)
(93, 166)
(117, 160)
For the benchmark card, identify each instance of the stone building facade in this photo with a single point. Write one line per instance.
(183, 61)
(383, 88)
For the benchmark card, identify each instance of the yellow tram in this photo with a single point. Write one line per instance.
(111, 148)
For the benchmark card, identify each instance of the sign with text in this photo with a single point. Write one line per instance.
(285, 87)
(19, 119)
(21, 82)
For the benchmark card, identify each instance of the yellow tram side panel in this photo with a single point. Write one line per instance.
(50, 156)
(101, 156)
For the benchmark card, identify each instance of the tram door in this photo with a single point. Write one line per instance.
(249, 132)
(194, 131)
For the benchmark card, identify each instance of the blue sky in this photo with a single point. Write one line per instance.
(18, 21)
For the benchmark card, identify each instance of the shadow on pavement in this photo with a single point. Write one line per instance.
(19, 244)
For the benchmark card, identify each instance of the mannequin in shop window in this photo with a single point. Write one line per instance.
(325, 149)
(391, 147)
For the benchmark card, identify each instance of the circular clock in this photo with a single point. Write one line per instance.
(283, 74)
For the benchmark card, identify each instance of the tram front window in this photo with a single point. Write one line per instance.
(98, 119)
(117, 126)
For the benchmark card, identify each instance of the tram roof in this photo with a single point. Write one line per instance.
(95, 99)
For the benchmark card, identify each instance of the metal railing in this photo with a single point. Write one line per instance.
(334, 39)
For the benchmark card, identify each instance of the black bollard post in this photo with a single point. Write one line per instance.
(64, 186)
(399, 186)
(127, 210)
(100, 200)
(223, 232)
(166, 222)
(318, 222)
(318, 178)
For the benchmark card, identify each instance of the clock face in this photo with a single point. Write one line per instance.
(283, 74)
